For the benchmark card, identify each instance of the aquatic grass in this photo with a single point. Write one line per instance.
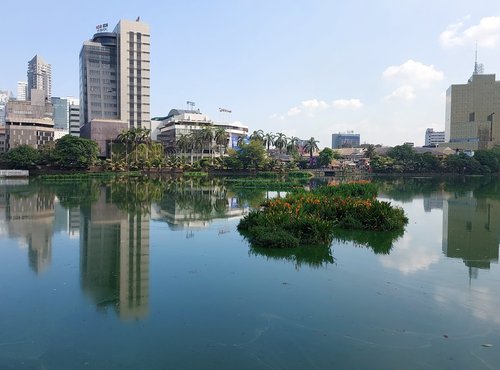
(312, 217)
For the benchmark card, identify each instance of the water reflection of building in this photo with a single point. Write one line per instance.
(30, 216)
(196, 207)
(67, 220)
(471, 231)
(434, 201)
(114, 261)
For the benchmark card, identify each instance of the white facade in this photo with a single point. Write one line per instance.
(184, 122)
(433, 138)
(22, 90)
(134, 68)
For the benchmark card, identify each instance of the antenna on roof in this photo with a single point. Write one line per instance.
(190, 105)
(478, 67)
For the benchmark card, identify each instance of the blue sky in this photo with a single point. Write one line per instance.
(304, 68)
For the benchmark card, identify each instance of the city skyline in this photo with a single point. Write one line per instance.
(302, 69)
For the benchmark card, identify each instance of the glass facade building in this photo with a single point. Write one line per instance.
(347, 140)
(98, 78)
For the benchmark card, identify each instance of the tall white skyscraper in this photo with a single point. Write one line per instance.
(22, 90)
(39, 76)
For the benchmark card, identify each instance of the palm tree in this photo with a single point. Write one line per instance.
(183, 144)
(125, 138)
(311, 146)
(257, 135)
(268, 140)
(207, 134)
(280, 141)
(370, 151)
(221, 138)
(293, 145)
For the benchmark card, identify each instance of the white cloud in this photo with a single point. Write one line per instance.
(405, 92)
(486, 33)
(450, 37)
(294, 111)
(347, 104)
(277, 116)
(408, 257)
(314, 104)
(413, 73)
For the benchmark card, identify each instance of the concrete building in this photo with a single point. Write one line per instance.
(39, 77)
(4, 98)
(74, 118)
(22, 90)
(29, 122)
(102, 131)
(345, 140)
(115, 78)
(473, 113)
(180, 122)
(3, 139)
(433, 138)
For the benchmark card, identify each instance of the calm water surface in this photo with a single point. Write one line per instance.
(154, 275)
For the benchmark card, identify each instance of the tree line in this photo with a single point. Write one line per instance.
(404, 159)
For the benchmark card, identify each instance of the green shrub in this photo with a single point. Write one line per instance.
(312, 217)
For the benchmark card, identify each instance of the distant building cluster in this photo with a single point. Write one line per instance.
(115, 96)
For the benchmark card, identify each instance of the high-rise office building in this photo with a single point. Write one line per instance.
(22, 90)
(39, 76)
(115, 81)
(345, 140)
(473, 113)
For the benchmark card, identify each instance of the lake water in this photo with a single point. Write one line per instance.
(153, 275)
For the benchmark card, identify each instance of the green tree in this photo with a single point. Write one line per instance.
(269, 140)
(257, 136)
(22, 156)
(487, 158)
(311, 146)
(252, 155)
(280, 142)
(402, 153)
(370, 151)
(75, 152)
(325, 157)
(221, 139)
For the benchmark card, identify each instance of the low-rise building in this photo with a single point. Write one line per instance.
(180, 122)
(433, 138)
(102, 131)
(29, 122)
